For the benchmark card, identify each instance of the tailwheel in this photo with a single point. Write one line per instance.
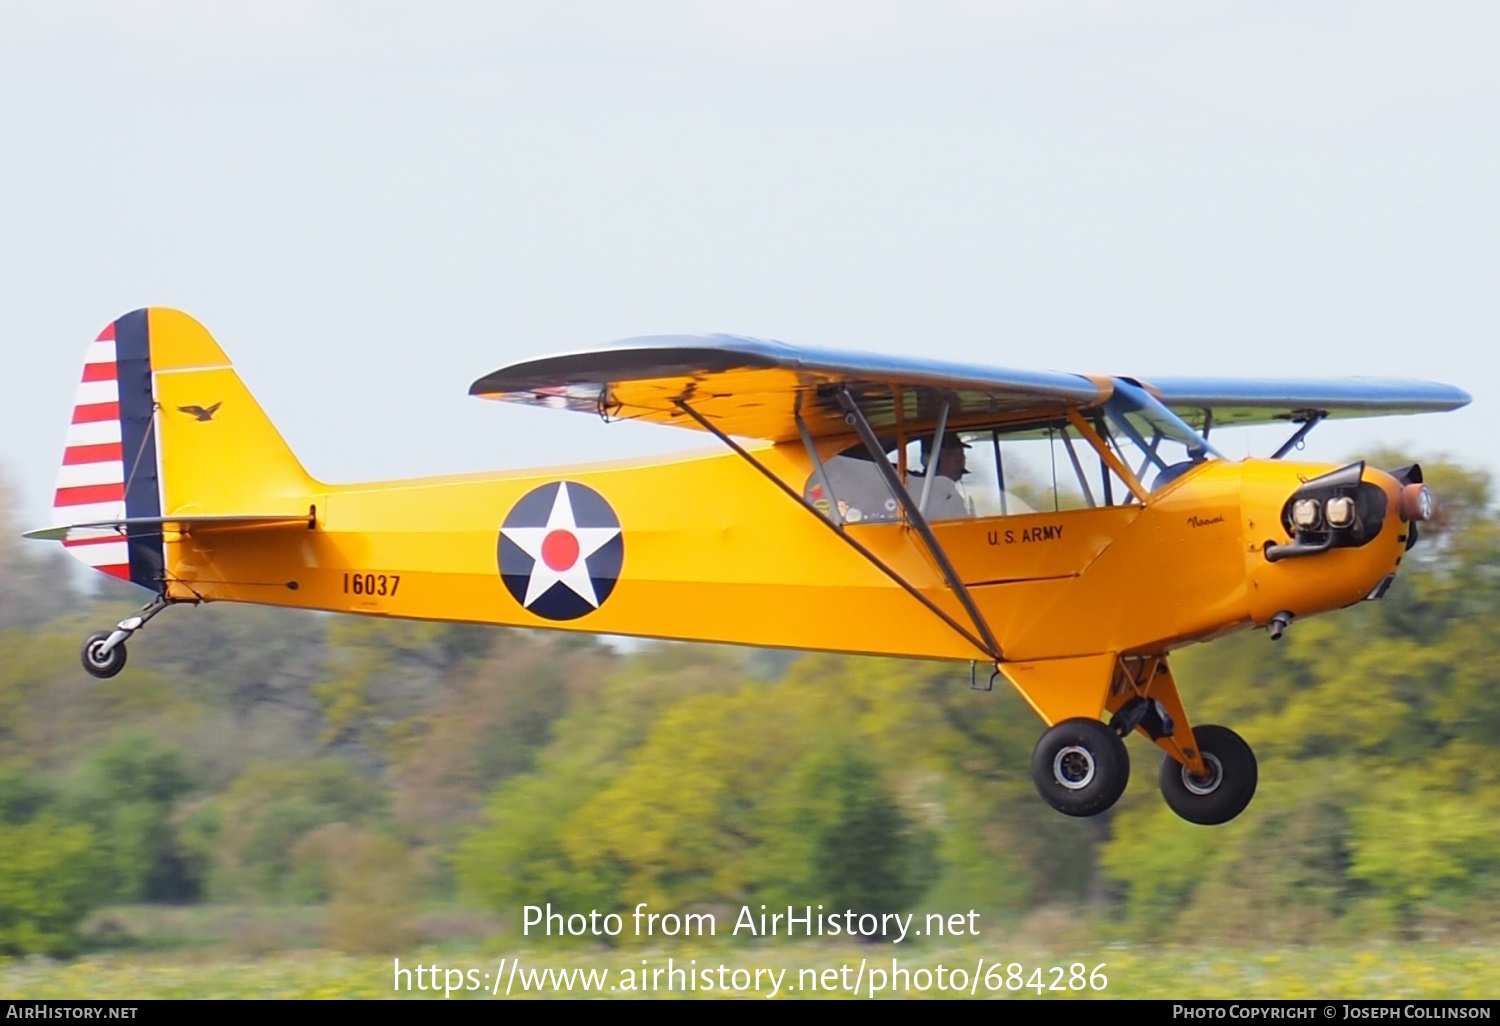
(104, 651)
(1228, 786)
(100, 660)
(1080, 767)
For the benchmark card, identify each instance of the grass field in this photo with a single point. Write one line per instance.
(1395, 971)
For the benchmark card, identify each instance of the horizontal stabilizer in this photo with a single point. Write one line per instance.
(137, 526)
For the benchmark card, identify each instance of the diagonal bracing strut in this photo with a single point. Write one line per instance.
(836, 528)
(856, 417)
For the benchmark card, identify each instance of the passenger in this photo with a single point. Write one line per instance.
(861, 493)
(858, 487)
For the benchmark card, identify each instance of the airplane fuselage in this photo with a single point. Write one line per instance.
(708, 550)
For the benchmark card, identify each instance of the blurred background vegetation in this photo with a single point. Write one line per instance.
(365, 785)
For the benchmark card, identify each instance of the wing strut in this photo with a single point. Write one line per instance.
(914, 514)
(838, 529)
(1313, 419)
(818, 468)
(937, 447)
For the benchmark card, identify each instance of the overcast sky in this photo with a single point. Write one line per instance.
(370, 204)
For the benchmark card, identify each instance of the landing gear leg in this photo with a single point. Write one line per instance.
(1209, 773)
(104, 651)
(1223, 791)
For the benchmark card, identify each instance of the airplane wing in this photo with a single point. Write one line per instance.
(753, 388)
(1266, 400)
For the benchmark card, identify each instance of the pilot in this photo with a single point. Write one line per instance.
(946, 500)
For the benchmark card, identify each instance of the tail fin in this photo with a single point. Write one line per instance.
(163, 427)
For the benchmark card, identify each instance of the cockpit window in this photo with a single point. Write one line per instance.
(1039, 468)
(1044, 466)
(1157, 444)
(853, 485)
(990, 473)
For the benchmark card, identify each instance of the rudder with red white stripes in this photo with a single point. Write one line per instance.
(109, 470)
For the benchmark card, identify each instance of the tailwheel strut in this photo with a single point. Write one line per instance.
(103, 652)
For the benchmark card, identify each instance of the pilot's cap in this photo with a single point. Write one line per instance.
(951, 441)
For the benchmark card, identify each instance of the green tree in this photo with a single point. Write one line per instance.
(490, 722)
(36, 579)
(127, 795)
(48, 882)
(517, 854)
(844, 839)
(845, 777)
(370, 883)
(251, 832)
(24, 795)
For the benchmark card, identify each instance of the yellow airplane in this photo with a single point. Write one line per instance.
(860, 503)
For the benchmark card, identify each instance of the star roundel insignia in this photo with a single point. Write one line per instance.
(561, 550)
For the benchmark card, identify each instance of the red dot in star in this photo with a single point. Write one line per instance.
(560, 550)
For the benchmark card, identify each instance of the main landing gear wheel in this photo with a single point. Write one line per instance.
(1080, 767)
(99, 662)
(1227, 789)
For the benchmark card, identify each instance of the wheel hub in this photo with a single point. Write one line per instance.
(1073, 767)
(1207, 784)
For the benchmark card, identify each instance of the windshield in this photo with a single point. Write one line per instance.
(1148, 435)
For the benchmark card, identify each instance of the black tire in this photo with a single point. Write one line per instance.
(1218, 800)
(1080, 767)
(106, 665)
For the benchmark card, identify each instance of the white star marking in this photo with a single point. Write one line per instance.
(575, 577)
